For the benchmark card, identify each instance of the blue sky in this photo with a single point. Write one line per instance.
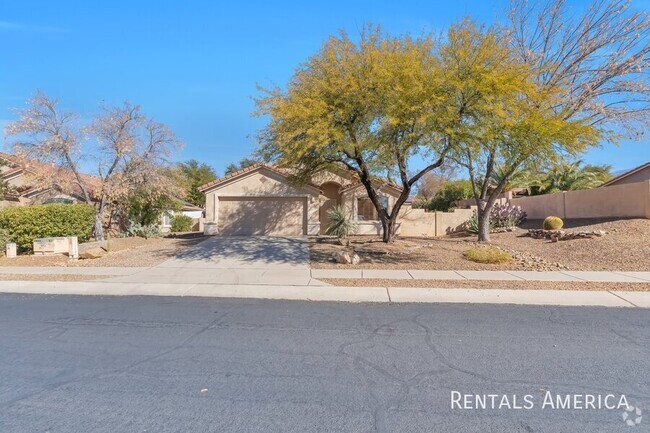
(194, 65)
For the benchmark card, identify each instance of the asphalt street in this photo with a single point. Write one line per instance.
(154, 364)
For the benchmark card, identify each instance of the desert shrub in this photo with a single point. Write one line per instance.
(449, 193)
(487, 255)
(148, 231)
(26, 223)
(502, 216)
(553, 223)
(181, 223)
(341, 225)
(505, 216)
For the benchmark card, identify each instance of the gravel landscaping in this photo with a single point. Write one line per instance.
(52, 277)
(625, 247)
(479, 284)
(122, 252)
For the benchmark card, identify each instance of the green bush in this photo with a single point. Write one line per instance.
(340, 224)
(5, 237)
(449, 193)
(137, 229)
(181, 223)
(553, 223)
(26, 223)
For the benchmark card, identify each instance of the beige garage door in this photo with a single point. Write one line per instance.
(262, 216)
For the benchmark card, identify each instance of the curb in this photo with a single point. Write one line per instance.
(625, 299)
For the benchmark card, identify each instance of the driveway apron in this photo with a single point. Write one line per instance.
(234, 260)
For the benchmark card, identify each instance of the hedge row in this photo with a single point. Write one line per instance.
(26, 223)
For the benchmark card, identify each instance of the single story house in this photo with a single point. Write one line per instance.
(638, 174)
(261, 200)
(32, 182)
(186, 209)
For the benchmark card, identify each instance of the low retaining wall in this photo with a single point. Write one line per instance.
(419, 223)
(630, 200)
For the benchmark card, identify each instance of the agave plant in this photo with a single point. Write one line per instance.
(341, 225)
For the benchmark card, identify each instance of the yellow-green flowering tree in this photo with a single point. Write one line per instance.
(512, 120)
(368, 107)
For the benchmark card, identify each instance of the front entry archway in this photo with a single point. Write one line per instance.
(332, 199)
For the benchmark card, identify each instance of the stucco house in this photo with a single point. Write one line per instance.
(261, 200)
(637, 174)
(33, 182)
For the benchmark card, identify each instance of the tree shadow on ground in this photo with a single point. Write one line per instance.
(249, 249)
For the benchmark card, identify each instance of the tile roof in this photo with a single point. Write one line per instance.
(53, 171)
(384, 184)
(249, 169)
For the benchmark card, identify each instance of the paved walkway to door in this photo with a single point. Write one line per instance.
(235, 260)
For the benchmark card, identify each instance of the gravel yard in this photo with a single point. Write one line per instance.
(625, 247)
(45, 277)
(123, 252)
(478, 284)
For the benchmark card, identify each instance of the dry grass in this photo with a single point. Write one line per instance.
(123, 252)
(492, 256)
(626, 247)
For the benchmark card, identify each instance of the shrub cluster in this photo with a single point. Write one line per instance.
(451, 192)
(502, 216)
(181, 223)
(5, 237)
(142, 231)
(26, 223)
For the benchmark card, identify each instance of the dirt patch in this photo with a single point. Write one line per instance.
(479, 284)
(121, 252)
(625, 247)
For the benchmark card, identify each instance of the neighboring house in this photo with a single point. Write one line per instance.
(260, 200)
(33, 182)
(638, 174)
(187, 209)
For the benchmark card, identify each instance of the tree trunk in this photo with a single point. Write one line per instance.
(483, 224)
(99, 222)
(99, 227)
(388, 230)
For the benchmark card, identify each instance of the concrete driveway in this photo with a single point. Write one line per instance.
(235, 260)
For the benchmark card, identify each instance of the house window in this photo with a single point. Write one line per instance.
(166, 220)
(366, 210)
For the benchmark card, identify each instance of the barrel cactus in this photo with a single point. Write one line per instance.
(553, 223)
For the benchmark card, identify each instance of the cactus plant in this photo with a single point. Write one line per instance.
(553, 223)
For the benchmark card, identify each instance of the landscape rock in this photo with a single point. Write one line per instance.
(562, 235)
(346, 258)
(93, 253)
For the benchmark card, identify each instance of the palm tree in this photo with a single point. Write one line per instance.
(524, 178)
(572, 176)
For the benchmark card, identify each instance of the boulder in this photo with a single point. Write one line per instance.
(93, 253)
(346, 258)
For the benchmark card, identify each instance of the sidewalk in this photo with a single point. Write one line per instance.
(577, 276)
(303, 276)
(336, 293)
